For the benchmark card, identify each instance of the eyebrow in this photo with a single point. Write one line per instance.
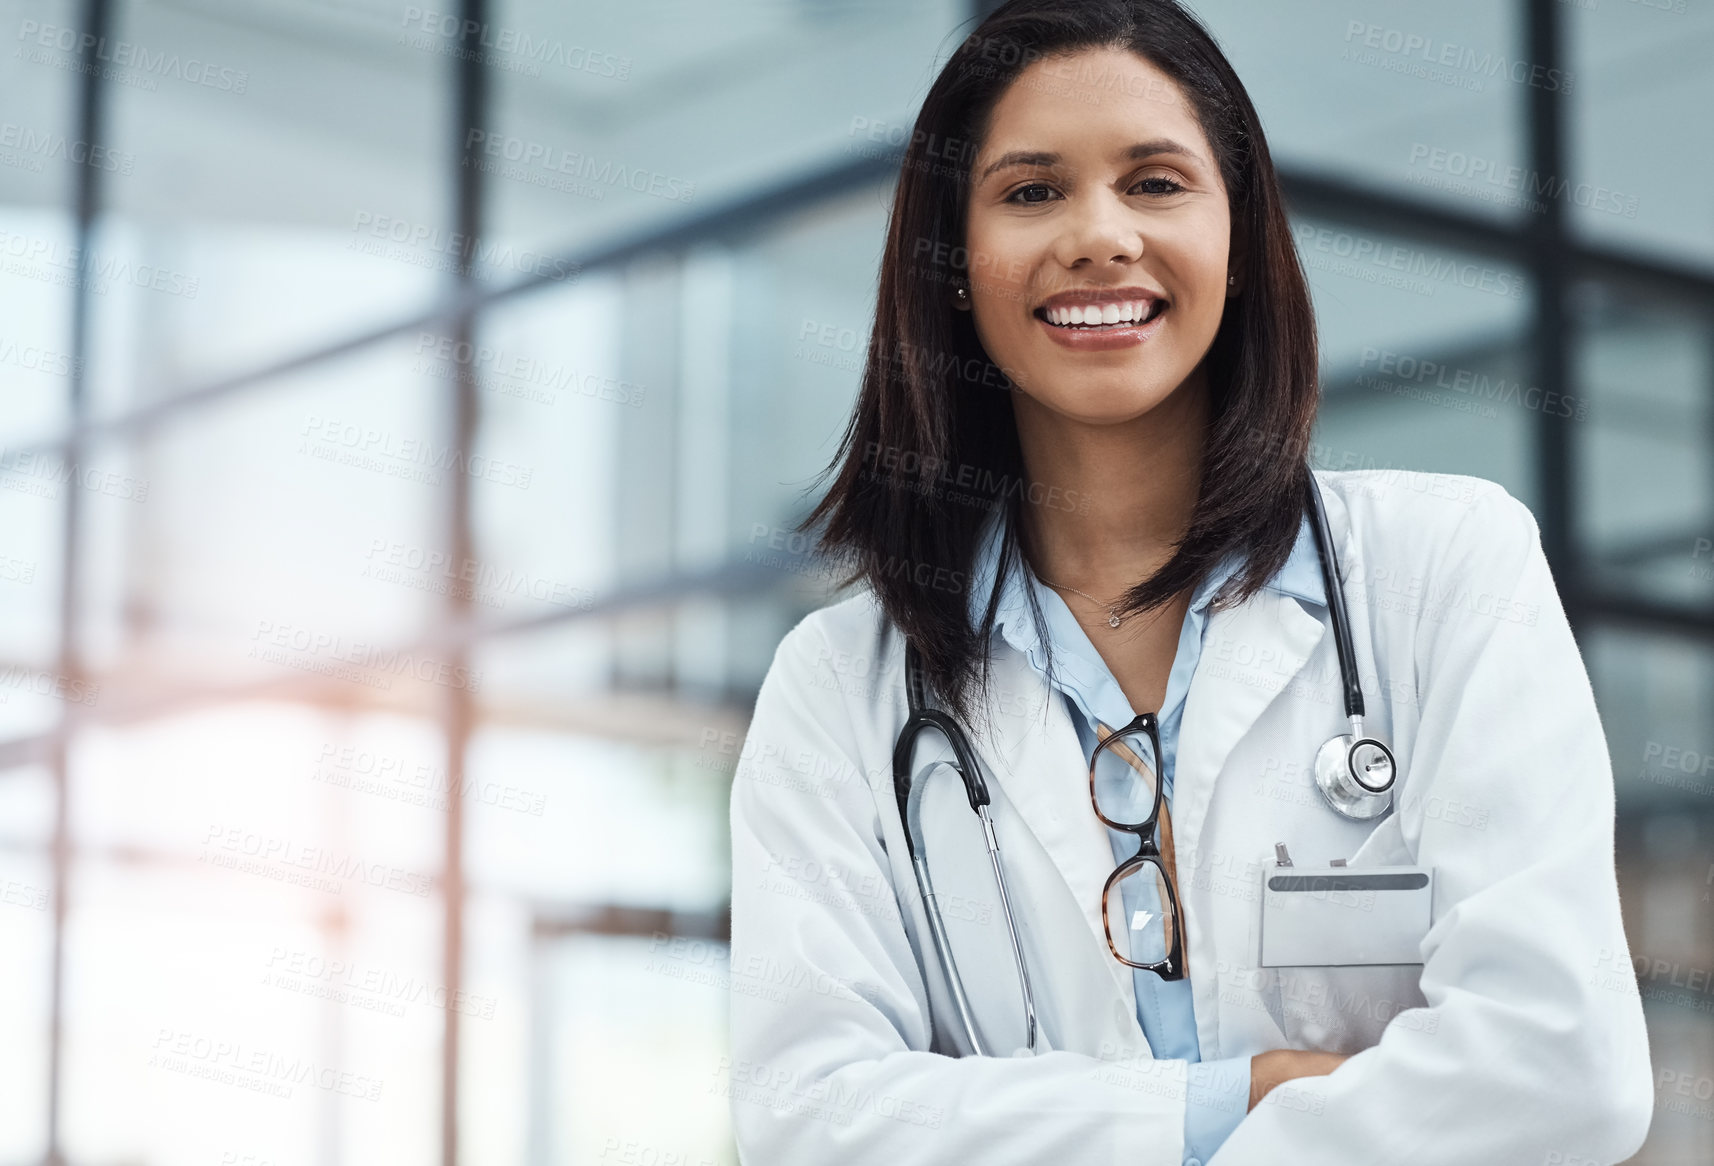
(1046, 158)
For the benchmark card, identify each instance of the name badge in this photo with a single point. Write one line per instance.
(1339, 916)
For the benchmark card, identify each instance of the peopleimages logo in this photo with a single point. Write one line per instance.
(46, 472)
(35, 358)
(531, 156)
(368, 664)
(39, 144)
(533, 50)
(1433, 58)
(232, 1062)
(229, 846)
(415, 458)
(53, 260)
(391, 237)
(521, 369)
(910, 469)
(1404, 368)
(1491, 181)
(124, 54)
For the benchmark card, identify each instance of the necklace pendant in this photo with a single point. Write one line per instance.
(1112, 619)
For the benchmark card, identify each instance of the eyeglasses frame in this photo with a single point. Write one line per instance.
(1172, 967)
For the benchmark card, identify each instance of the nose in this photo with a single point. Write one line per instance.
(1100, 229)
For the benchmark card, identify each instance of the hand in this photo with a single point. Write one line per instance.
(1280, 1065)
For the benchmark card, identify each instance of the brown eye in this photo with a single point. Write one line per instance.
(1170, 187)
(1013, 197)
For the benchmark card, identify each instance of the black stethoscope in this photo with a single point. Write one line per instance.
(1354, 773)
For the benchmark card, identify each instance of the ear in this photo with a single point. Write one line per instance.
(1236, 272)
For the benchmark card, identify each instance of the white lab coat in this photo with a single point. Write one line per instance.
(1519, 1039)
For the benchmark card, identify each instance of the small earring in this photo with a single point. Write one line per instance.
(963, 294)
(1231, 281)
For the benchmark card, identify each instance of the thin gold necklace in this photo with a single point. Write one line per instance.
(1114, 619)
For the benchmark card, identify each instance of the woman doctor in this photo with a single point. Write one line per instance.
(1076, 480)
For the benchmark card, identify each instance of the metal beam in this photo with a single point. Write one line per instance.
(96, 22)
(469, 121)
(1649, 615)
(1545, 242)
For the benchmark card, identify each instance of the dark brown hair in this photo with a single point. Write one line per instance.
(932, 409)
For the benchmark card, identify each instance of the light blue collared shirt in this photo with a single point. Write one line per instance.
(1219, 1090)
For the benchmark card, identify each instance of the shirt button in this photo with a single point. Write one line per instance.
(1193, 1162)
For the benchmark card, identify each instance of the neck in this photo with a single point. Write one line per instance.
(1136, 484)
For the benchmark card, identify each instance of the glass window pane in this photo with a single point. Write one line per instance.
(608, 117)
(635, 1036)
(322, 482)
(40, 147)
(1656, 694)
(1421, 100)
(290, 189)
(26, 936)
(1422, 360)
(251, 940)
(1643, 88)
(1647, 475)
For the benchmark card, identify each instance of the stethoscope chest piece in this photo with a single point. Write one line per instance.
(1355, 774)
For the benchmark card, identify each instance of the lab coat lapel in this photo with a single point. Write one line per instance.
(1250, 653)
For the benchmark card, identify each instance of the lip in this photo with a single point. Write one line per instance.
(1101, 339)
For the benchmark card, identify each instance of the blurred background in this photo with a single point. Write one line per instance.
(405, 411)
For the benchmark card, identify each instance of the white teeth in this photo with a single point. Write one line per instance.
(1089, 315)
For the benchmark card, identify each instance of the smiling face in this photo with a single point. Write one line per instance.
(1098, 231)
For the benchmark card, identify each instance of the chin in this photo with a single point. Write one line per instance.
(1107, 407)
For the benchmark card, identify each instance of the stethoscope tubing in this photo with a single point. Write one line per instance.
(936, 923)
(909, 794)
(1335, 602)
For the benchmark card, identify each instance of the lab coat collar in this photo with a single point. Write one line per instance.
(1299, 578)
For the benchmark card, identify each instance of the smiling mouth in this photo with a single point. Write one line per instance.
(1156, 307)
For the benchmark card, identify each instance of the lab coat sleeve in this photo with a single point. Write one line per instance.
(1532, 1047)
(830, 1028)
